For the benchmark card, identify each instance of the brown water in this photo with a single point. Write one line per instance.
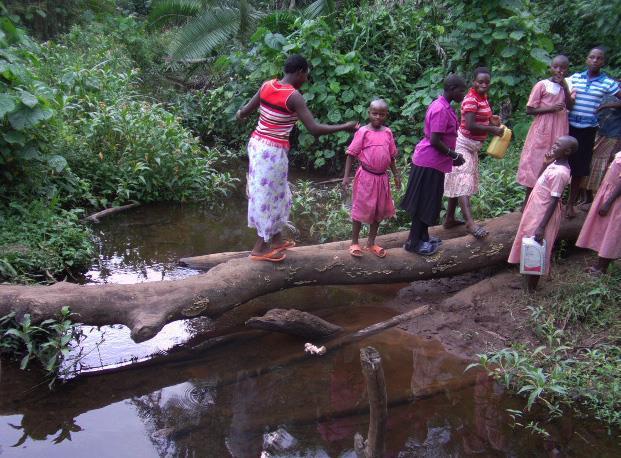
(235, 399)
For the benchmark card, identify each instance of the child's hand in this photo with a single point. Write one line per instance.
(495, 120)
(345, 183)
(498, 131)
(397, 182)
(352, 126)
(558, 107)
(573, 95)
(459, 160)
(539, 232)
(603, 209)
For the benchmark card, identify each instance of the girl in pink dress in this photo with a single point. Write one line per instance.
(374, 147)
(548, 103)
(601, 231)
(542, 215)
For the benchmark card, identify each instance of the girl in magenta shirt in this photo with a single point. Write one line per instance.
(433, 156)
(374, 147)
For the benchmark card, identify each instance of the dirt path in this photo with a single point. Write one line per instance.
(479, 312)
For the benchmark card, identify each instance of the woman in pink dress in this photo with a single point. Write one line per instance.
(601, 231)
(548, 102)
(374, 147)
(542, 215)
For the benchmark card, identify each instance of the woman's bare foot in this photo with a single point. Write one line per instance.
(449, 223)
(479, 232)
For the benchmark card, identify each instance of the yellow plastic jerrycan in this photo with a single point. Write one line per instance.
(498, 146)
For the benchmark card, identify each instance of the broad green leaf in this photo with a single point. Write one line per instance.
(28, 153)
(517, 35)
(7, 104)
(28, 99)
(334, 116)
(26, 117)
(509, 51)
(24, 362)
(343, 69)
(58, 163)
(347, 96)
(540, 54)
(14, 137)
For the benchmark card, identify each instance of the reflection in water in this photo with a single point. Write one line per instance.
(246, 400)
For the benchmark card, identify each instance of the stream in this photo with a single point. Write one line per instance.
(246, 399)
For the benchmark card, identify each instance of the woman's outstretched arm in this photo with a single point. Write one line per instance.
(250, 107)
(297, 103)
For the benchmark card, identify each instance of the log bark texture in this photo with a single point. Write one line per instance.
(294, 322)
(374, 445)
(94, 218)
(146, 307)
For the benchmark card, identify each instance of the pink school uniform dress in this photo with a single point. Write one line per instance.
(371, 197)
(543, 132)
(550, 184)
(603, 233)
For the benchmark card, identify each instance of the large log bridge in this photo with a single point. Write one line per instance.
(146, 307)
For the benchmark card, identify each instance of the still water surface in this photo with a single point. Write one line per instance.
(254, 397)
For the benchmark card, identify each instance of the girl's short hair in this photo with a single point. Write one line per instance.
(479, 70)
(296, 63)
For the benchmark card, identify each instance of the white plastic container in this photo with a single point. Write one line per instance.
(533, 257)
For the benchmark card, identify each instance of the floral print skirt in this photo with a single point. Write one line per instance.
(269, 197)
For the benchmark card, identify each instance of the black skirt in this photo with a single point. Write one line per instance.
(423, 198)
(580, 161)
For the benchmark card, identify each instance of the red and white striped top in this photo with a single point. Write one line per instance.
(276, 120)
(477, 104)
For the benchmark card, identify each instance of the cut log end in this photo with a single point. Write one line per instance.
(294, 322)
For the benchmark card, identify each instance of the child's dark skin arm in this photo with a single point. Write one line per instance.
(346, 178)
(532, 111)
(569, 101)
(297, 103)
(604, 208)
(545, 220)
(609, 105)
(395, 173)
(475, 128)
(250, 107)
(437, 143)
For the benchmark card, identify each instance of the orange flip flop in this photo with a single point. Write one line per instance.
(284, 246)
(355, 251)
(272, 256)
(377, 251)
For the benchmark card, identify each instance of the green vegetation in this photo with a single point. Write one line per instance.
(48, 343)
(578, 364)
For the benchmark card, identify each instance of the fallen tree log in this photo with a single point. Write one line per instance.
(146, 307)
(293, 322)
(394, 240)
(95, 217)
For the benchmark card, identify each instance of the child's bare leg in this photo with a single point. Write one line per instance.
(355, 233)
(574, 189)
(531, 283)
(526, 196)
(372, 234)
(477, 231)
(450, 220)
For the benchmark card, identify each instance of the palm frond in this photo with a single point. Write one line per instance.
(165, 12)
(319, 8)
(205, 32)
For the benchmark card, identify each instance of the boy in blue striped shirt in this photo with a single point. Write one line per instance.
(587, 90)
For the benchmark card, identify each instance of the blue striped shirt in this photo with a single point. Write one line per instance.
(589, 95)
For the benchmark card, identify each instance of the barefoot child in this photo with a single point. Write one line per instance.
(548, 102)
(601, 231)
(542, 215)
(374, 146)
(433, 156)
(477, 121)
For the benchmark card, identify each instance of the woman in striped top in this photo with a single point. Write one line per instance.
(477, 121)
(280, 105)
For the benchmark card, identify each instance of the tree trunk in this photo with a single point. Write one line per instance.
(146, 307)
